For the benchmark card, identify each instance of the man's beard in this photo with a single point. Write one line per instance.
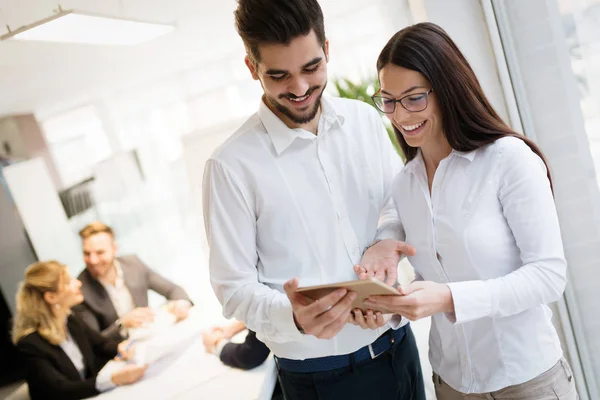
(107, 267)
(295, 118)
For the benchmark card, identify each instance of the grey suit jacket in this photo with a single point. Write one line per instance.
(97, 309)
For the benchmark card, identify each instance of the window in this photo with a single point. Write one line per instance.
(581, 25)
(77, 142)
(552, 49)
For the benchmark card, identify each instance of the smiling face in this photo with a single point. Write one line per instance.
(99, 252)
(422, 128)
(293, 77)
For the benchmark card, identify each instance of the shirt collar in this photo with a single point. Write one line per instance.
(119, 279)
(419, 162)
(468, 155)
(410, 166)
(119, 269)
(282, 136)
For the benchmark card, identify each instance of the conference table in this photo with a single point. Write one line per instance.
(180, 368)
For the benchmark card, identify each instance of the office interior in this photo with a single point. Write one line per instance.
(120, 133)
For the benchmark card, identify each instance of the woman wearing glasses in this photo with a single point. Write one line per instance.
(63, 356)
(475, 200)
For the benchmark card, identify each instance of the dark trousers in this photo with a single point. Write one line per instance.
(395, 374)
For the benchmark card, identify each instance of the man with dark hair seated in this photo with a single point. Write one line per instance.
(247, 355)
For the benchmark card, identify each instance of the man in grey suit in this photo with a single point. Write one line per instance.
(116, 288)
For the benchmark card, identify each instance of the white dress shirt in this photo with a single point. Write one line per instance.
(72, 351)
(119, 295)
(490, 229)
(281, 203)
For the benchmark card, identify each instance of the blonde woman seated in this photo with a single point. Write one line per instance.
(62, 354)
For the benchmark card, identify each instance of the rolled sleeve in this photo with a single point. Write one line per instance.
(390, 229)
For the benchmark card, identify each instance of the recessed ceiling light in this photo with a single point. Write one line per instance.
(68, 26)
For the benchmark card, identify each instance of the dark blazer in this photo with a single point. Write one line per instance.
(97, 309)
(51, 373)
(247, 355)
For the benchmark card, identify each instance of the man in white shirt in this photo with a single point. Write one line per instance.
(300, 191)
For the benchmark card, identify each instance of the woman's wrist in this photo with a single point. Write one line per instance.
(448, 299)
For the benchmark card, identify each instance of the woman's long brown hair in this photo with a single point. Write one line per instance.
(469, 121)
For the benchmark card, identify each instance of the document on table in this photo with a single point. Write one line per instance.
(179, 368)
(167, 341)
(163, 321)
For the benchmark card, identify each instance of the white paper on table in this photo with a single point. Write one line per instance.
(182, 369)
(163, 321)
(167, 341)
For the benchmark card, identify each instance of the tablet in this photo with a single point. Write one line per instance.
(363, 288)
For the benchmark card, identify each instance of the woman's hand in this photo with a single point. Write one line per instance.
(381, 260)
(137, 317)
(126, 350)
(368, 320)
(230, 330)
(128, 374)
(416, 300)
(233, 329)
(179, 308)
(211, 339)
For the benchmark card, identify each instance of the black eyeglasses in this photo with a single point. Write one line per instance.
(413, 102)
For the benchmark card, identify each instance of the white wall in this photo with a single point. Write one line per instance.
(42, 213)
(15, 252)
(465, 22)
(9, 133)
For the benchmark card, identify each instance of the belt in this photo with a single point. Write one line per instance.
(382, 344)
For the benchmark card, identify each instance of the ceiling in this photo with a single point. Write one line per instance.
(40, 76)
(48, 77)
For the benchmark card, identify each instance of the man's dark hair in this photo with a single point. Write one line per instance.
(277, 22)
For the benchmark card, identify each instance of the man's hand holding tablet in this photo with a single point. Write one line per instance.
(324, 317)
(363, 288)
(367, 317)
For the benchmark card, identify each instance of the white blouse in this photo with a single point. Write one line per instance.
(490, 230)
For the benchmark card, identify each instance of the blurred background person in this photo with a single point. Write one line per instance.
(116, 288)
(247, 355)
(63, 355)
